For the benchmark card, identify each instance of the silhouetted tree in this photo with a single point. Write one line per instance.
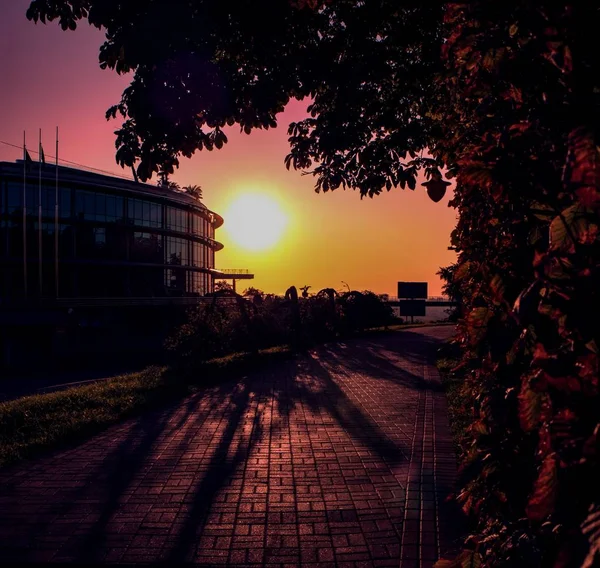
(305, 290)
(451, 288)
(193, 190)
(164, 182)
(203, 69)
(223, 285)
(251, 291)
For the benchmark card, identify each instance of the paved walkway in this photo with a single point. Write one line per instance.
(339, 458)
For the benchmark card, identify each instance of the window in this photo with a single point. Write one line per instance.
(199, 255)
(146, 247)
(100, 237)
(177, 251)
(175, 281)
(114, 208)
(155, 215)
(64, 202)
(65, 241)
(14, 198)
(199, 225)
(197, 283)
(177, 219)
(145, 213)
(85, 205)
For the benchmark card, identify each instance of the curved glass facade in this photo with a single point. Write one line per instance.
(109, 238)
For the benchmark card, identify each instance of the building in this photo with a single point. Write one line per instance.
(97, 253)
(111, 238)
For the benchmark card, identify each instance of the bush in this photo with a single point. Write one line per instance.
(232, 323)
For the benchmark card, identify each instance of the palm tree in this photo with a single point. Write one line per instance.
(194, 191)
(165, 183)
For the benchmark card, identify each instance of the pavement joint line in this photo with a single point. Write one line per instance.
(338, 458)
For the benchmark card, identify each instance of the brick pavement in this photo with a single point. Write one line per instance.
(339, 458)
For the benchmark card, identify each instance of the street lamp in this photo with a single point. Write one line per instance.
(436, 188)
(345, 284)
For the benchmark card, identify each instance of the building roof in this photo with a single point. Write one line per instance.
(86, 178)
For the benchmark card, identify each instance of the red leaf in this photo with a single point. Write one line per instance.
(541, 502)
(532, 405)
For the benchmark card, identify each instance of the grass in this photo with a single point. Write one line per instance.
(459, 403)
(34, 423)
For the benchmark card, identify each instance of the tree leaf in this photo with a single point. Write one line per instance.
(564, 228)
(543, 497)
(531, 406)
(591, 529)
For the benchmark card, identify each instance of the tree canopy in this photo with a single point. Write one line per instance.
(200, 65)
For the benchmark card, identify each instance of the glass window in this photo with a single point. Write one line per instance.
(138, 211)
(100, 237)
(119, 208)
(64, 202)
(110, 208)
(32, 200)
(14, 198)
(85, 205)
(89, 211)
(177, 219)
(65, 241)
(100, 206)
(155, 215)
(147, 247)
(48, 201)
(145, 213)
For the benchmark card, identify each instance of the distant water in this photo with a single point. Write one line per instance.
(435, 313)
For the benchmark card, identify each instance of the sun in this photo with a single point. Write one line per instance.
(255, 222)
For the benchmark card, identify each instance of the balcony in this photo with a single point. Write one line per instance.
(232, 273)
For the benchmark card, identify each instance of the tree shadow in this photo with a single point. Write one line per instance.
(381, 360)
(315, 387)
(221, 467)
(154, 446)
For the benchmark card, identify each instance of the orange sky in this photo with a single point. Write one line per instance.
(51, 78)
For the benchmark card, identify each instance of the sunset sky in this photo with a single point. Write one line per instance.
(51, 77)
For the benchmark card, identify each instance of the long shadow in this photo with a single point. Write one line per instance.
(129, 459)
(307, 381)
(125, 459)
(325, 394)
(220, 470)
(123, 465)
(370, 358)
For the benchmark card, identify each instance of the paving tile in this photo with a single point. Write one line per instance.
(341, 457)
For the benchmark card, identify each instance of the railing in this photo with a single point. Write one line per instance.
(232, 270)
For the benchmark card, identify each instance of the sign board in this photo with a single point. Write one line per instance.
(412, 307)
(412, 290)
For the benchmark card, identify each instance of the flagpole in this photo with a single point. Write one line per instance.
(56, 222)
(40, 217)
(24, 216)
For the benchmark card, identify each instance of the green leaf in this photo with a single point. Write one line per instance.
(563, 229)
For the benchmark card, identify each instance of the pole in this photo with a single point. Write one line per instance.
(40, 216)
(24, 216)
(56, 223)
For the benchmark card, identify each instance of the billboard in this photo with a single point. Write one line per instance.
(412, 307)
(412, 290)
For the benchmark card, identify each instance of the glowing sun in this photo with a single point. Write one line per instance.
(255, 222)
